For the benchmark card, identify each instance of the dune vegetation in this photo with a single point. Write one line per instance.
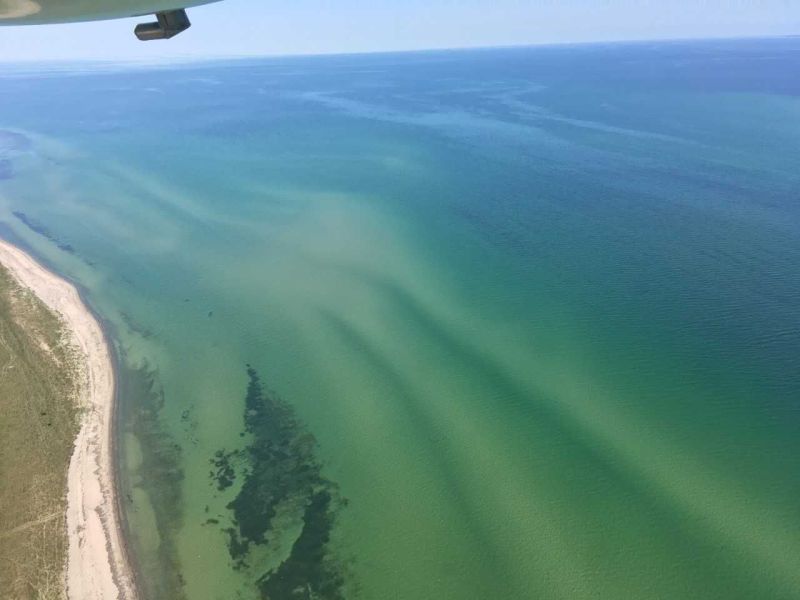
(39, 380)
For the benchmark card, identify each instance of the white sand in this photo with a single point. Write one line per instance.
(97, 567)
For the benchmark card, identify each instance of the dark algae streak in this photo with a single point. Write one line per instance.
(37, 227)
(159, 475)
(280, 472)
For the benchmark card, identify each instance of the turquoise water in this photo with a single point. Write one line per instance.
(518, 323)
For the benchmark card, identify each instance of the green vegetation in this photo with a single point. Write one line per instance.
(281, 469)
(38, 425)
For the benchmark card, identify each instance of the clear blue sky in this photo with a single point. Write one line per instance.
(257, 27)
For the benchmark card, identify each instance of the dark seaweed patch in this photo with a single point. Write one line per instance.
(238, 549)
(37, 227)
(224, 474)
(11, 141)
(189, 424)
(307, 573)
(282, 469)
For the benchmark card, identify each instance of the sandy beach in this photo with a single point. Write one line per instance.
(97, 567)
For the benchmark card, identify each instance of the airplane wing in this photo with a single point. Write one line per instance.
(170, 19)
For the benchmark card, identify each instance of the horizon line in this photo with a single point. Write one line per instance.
(187, 58)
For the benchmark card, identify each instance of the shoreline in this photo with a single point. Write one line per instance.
(98, 566)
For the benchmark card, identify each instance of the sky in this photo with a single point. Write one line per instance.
(279, 27)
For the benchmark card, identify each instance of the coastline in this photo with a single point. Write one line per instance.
(97, 565)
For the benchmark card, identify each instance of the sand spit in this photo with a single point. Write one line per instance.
(97, 567)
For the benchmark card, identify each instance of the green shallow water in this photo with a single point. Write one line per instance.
(538, 309)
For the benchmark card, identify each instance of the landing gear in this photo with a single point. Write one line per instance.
(170, 23)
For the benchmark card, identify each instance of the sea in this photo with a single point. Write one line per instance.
(516, 323)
